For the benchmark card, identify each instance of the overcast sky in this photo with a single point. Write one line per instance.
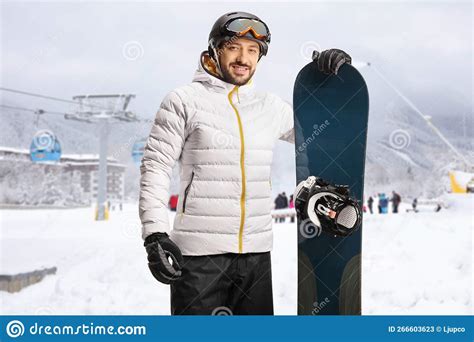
(63, 49)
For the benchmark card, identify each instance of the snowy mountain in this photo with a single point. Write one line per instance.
(403, 153)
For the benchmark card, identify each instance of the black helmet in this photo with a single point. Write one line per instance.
(239, 24)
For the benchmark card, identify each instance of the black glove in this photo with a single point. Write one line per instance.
(329, 61)
(159, 248)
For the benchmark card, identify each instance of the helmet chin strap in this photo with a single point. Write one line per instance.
(217, 66)
(215, 57)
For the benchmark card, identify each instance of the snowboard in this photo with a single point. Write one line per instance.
(330, 118)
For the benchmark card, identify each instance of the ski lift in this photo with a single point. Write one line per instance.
(138, 150)
(45, 147)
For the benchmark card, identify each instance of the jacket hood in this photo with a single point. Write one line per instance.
(207, 74)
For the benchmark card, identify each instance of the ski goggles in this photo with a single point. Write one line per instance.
(244, 26)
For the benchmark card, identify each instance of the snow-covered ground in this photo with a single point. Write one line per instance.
(420, 263)
(413, 263)
(102, 267)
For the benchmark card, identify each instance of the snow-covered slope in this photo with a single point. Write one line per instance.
(101, 266)
(420, 263)
(413, 263)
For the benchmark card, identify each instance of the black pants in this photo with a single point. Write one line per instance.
(237, 284)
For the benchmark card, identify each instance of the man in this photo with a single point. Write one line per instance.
(396, 199)
(284, 205)
(414, 204)
(217, 257)
(370, 203)
(278, 205)
(285, 200)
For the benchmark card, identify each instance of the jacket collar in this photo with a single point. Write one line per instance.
(207, 74)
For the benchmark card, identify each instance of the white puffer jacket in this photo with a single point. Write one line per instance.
(223, 136)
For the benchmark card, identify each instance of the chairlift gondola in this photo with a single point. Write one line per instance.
(45, 147)
(138, 150)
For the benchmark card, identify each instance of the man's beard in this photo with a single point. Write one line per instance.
(232, 80)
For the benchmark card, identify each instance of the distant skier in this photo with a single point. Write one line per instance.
(370, 203)
(223, 133)
(414, 204)
(291, 205)
(291, 202)
(281, 202)
(284, 206)
(396, 200)
(383, 203)
(278, 205)
(285, 199)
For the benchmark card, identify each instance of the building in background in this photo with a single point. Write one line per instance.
(70, 181)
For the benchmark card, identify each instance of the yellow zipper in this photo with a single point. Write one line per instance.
(242, 166)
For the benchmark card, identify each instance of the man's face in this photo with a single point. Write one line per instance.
(238, 60)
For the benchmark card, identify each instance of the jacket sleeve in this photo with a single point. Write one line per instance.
(287, 132)
(162, 150)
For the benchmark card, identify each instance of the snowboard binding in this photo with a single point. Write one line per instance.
(327, 206)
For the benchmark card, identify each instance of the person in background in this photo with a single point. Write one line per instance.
(291, 205)
(285, 200)
(370, 203)
(278, 205)
(383, 202)
(284, 205)
(173, 202)
(396, 199)
(414, 204)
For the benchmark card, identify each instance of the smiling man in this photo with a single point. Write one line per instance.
(238, 63)
(222, 132)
